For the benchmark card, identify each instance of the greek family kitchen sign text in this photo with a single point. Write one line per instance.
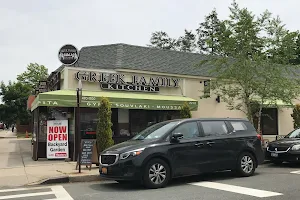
(116, 81)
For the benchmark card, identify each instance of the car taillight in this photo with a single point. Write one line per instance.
(258, 136)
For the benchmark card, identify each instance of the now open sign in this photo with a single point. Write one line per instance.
(57, 139)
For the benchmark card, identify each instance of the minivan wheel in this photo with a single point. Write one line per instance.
(246, 164)
(156, 174)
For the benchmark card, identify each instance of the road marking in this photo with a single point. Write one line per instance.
(23, 189)
(26, 195)
(59, 192)
(295, 172)
(237, 189)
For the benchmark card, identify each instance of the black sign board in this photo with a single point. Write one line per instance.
(42, 87)
(88, 152)
(68, 54)
(129, 87)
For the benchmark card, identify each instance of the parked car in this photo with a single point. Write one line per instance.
(184, 147)
(286, 149)
(2, 126)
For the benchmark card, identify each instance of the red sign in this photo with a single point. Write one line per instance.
(57, 139)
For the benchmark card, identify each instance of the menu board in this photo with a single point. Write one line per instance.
(87, 147)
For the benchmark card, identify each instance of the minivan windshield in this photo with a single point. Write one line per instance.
(293, 134)
(155, 131)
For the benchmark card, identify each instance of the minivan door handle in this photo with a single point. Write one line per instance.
(210, 143)
(199, 144)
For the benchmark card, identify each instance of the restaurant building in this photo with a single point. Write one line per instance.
(144, 85)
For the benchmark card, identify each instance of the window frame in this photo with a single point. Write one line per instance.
(185, 139)
(232, 128)
(229, 128)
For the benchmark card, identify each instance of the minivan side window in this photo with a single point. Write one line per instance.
(216, 128)
(189, 130)
(238, 126)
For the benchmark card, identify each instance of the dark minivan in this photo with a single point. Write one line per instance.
(184, 147)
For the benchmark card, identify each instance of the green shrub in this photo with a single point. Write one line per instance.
(296, 116)
(104, 132)
(185, 111)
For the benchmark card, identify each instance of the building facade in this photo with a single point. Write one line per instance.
(144, 86)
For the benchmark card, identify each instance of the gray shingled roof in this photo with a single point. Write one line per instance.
(124, 56)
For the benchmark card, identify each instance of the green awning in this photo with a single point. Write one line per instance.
(271, 103)
(67, 98)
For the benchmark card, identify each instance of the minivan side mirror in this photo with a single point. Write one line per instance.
(177, 136)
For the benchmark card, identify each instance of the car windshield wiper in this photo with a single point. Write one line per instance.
(139, 138)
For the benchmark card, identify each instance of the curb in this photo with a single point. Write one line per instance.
(14, 136)
(68, 179)
(85, 178)
(55, 180)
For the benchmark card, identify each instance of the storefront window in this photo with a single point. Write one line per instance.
(88, 124)
(141, 119)
(89, 120)
(269, 121)
(207, 88)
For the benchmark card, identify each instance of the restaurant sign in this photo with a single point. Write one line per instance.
(57, 139)
(145, 105)
(116, 81)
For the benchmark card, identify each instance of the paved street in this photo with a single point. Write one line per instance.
(270, 182)
(36, 193)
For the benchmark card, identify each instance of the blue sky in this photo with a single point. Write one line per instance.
(34, 30)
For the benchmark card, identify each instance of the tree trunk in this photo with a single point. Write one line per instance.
(259, 119)
(249, 111)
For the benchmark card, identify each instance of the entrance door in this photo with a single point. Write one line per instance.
(186, 153)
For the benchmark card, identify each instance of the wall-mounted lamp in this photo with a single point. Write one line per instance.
(218, 99)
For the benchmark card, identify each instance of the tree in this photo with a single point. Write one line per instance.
(208, 34)
(185, 111)
(296, 60)
(3, 112)
(33, 74)
(296, 116)
(14, 97)
(186, 43)
(161, 40)
(104, 132)
(254, 68)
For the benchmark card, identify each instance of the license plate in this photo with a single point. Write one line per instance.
(104, 170)
(274, 154)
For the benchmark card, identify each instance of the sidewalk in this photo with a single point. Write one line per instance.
(18, 169)
(7, 134)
